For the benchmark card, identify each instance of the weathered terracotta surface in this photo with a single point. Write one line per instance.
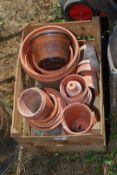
(34, 103)
(82, 92)
(50, 72)
(77, 119)
(88, 52)
(54, 47)
(53, 120)
(73, 88)
(26, 56)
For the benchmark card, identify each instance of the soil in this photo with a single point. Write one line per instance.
(13, 16)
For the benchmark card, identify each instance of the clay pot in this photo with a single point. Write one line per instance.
(73, 88)
(89, 73)
(77, 119)
(54, 47)
(54, 118)
(26, 55)
(49, 72)
(34, 103)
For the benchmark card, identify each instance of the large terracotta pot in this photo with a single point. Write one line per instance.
(34, 103)
(77, 119)
(54, 118)
(51, 50)
(50, 72)
(26, 55)
(74, 89)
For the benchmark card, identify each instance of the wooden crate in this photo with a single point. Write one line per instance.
(95, 139)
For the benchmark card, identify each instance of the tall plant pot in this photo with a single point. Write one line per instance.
(77, 119)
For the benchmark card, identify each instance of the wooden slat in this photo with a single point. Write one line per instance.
(67, 148)
(16, 127)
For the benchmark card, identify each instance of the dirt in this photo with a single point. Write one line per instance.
(13, 16)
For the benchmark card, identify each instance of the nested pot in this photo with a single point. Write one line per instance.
(51, 49)
(77, 119)
(34, 103)
(73, 88)
(59, 71)
(54, 118)
(26, 55)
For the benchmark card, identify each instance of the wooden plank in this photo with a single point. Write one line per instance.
(67, 148)
(16, 127)
(50, 140)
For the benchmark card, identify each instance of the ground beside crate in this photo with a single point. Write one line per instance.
(95, 140)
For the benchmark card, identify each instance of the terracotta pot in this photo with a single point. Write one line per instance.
(86, 70)
(54, 119)
(74, 89)
(54, 47)
(49, 72)
(77, 119)
(34, 103)
(26, 55)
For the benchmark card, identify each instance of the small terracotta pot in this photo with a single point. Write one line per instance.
(54, 119)
(54, 47)
(74, 89)
(86, 70)
(77, 119)
(26, 56)
(34, 103)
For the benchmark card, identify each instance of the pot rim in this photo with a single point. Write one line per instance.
(61, 104)
(45, 120)
(50, 34)
(65, 126)
(35, 114)
(58, 71)
(63, 84)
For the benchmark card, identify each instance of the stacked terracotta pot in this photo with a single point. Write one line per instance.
(41, 108)
(51, 54)
(74, 89)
